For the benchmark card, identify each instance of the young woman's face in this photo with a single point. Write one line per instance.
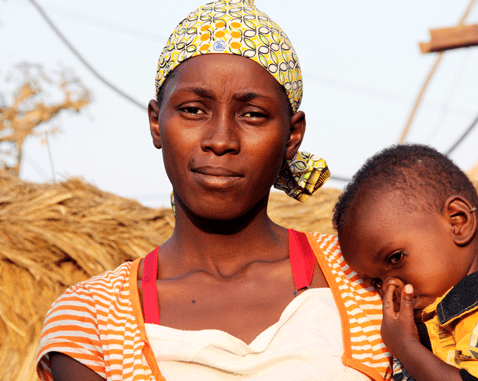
(383, 241)
(224, 127)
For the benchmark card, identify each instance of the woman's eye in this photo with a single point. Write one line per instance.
(254, 114)
(397, 257)
(377, 283)
(192, 110)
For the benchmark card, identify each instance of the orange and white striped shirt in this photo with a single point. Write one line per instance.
(99, 322)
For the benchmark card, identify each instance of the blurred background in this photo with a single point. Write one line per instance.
(361, 64)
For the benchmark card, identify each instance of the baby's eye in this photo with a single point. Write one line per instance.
(396, 258)
(377, 283)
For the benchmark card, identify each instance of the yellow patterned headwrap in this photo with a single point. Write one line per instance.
(238, 27)
(234, 27)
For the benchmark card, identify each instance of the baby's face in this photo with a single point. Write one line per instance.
(383, 241)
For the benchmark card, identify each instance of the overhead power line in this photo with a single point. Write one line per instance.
(449, 95)
(82, 60)
(463, 136)
(98, 22)
(339, 178)
(419, 97)
(383, 95)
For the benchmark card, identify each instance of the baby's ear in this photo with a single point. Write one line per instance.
(462, 218)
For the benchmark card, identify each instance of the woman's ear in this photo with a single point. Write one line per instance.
(297, 131)
(462, 218)
(153, 112)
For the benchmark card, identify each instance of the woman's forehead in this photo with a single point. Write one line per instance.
(237, 74)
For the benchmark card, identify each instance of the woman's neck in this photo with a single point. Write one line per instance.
(222, 248)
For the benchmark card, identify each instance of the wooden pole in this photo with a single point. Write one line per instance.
(406, 129)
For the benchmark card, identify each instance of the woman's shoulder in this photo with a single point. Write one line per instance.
(324, 244)
(325, 239)
(79, 320)
(89, 305)
(110, 278)
(102, 289)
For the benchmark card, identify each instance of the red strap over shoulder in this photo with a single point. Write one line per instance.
(302, 259)
(150, 292)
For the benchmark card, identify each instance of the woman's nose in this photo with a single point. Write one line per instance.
(221, 135)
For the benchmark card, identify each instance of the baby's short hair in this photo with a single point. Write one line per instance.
(425, 177)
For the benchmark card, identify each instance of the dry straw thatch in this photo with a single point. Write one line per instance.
(55, 235)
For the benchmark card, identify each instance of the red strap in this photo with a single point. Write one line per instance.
(302, 260)
(150, 292)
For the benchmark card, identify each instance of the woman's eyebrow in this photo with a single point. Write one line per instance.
(250, 96)
(204, 93)
(198, 91)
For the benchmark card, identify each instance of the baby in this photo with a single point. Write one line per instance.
(407, 225)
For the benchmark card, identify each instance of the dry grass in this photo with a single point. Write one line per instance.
(314, 215)
(55, 235)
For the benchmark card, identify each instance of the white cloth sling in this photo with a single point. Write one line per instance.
(305, 344)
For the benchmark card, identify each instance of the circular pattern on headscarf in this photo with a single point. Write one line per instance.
(234, 27)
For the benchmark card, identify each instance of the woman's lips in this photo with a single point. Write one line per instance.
(216, 177)
(215, 171)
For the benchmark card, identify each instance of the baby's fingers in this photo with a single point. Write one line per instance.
(406, 303)
(388, 309)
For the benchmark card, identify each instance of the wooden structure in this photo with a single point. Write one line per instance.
(442, 39)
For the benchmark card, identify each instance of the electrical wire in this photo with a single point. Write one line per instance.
(383, 95)
(340, 178)
(98, 22)
(463, 136)
(449, 96)
(80, 57)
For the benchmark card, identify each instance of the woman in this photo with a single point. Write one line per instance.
(231, 295)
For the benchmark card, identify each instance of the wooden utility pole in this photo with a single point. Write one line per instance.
(441, 40)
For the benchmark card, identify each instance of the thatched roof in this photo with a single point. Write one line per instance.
(55, 235)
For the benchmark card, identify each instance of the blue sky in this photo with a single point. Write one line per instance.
(361, 64)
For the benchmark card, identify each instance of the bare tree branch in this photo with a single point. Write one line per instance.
(29, 109)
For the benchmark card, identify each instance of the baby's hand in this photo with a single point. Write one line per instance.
(398, 328)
